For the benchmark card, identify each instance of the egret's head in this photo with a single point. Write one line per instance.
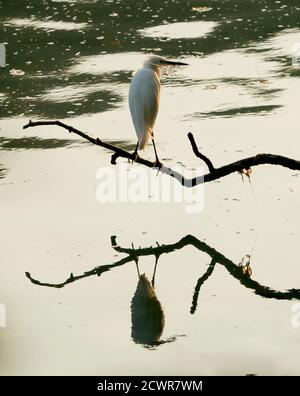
(155, 61)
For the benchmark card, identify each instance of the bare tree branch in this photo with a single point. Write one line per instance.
(214, 173)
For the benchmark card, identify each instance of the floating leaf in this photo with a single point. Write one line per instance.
(211, 86)
(245, 266)
(245, 171)
(265, 82)
(245, 261)
(16, 72)
(201, 9)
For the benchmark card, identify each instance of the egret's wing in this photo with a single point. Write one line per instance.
(143, 102)
(150, 101)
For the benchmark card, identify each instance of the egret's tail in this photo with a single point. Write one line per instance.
(145, 137)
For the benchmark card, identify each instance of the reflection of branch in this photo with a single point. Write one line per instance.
(214, 173)
(216, 257)
(200, 282)
(96, 271)
(231, 267)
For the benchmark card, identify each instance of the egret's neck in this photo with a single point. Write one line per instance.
(153, 67)
(157, 72)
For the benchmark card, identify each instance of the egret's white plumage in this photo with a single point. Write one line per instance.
(144, 94)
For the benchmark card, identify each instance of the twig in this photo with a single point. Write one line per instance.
(197, 153)
(200, 282)
(98, 271)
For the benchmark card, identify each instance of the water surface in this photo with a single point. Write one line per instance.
(68, 281)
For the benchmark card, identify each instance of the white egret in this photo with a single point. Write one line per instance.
(144, 94)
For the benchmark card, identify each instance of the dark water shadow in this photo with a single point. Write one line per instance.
(123, 144)
(2, 172)
(46, 54)
(36, 143)
(239, 111)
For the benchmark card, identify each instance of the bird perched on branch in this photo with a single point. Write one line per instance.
(144, 93)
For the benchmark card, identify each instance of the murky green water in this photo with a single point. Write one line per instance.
(81, 308)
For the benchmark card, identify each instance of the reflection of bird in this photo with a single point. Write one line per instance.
(144, 95)
(147, 316)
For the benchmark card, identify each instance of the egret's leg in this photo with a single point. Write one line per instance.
(154, 272)
(137, 268)
(136, 259)
(158, 164)
(135, 153)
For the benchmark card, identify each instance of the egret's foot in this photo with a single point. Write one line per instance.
(157, 164)
(135, 157)
(134, 154)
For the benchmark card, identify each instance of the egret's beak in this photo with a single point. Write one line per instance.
(167, 62)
